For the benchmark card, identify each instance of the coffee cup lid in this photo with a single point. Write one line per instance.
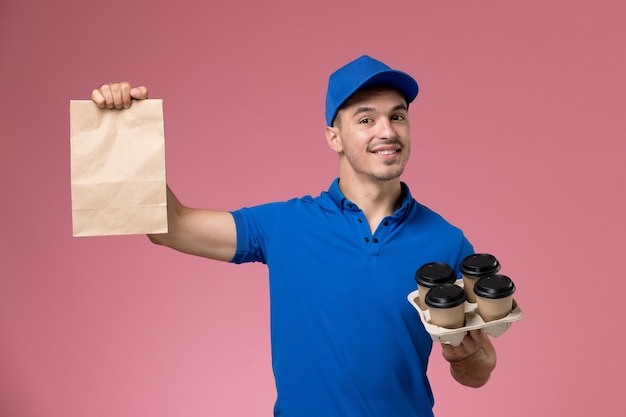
(435, 273)
(494, 286)
(480, 265)
(445, 296)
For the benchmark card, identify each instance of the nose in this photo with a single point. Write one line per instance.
(385, 129)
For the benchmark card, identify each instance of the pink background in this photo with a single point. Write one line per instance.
(518, 136)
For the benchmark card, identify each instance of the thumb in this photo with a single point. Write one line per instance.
(139, 93)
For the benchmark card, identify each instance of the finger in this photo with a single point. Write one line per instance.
(105, 91)
(477, 336)
(98, 98)
(471, 343)
(125, 94)
(116, 95)
(139, 93)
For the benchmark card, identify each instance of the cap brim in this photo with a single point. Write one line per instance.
(398, 79)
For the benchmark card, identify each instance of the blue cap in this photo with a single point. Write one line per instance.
(363, 72)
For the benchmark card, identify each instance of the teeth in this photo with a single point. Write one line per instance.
(388, 152)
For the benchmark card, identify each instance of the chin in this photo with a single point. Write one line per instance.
(389, 176)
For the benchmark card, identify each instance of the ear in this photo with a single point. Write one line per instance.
(333, 137)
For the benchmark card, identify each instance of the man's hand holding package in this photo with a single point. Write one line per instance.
(117, 95)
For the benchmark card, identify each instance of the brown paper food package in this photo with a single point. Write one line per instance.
(118, 169)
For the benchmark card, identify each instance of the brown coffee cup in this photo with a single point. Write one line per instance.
(431, 275)
(494, 296)
(446, 305)
(474, 267)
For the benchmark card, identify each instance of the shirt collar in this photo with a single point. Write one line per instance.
(343, 203)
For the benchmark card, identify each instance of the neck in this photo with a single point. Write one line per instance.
(377, 199)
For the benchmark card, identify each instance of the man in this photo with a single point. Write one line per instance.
(345, 341)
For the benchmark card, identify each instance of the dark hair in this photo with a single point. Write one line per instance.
(366, 89)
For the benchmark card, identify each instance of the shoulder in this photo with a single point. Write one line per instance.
(283, 208)
(427, 216)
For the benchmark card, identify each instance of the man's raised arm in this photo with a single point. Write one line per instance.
(208, 233)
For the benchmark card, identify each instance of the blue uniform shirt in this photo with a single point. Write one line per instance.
(345, 340)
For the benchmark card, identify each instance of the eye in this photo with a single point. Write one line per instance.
(366, 120)
(398, 117)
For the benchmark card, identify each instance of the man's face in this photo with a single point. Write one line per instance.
(372, 135)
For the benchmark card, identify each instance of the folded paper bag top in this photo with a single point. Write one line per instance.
(118, 176)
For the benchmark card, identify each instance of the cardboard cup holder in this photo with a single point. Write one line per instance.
(473, 320)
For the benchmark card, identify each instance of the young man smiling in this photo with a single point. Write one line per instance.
(345, 341)
(371, 135)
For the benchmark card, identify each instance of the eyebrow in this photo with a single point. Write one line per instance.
(365, 109)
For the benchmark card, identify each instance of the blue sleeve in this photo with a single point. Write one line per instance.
(254, 230)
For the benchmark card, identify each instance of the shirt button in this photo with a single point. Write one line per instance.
(375, 240)
(386, 223)
(367, 239)
(360, 220)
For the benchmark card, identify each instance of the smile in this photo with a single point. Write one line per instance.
(386, 152)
